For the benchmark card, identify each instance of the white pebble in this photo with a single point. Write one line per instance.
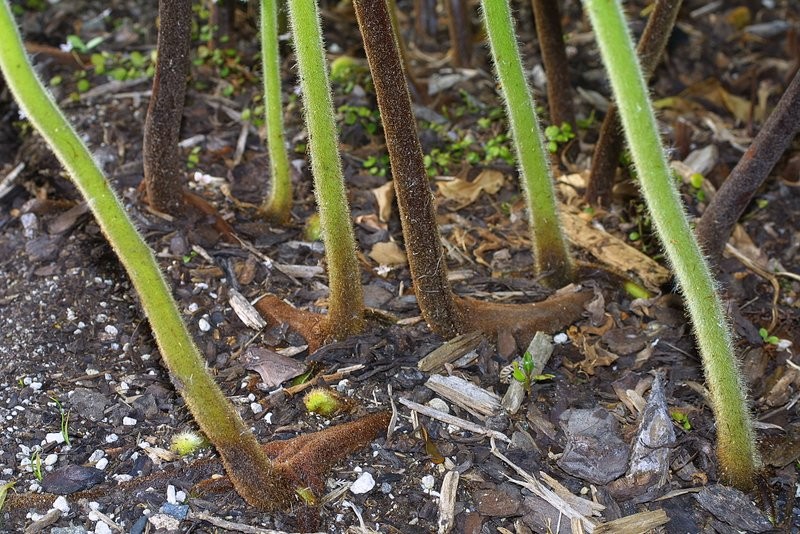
(111, 438)
(111, 330)
(171, 494)
(256, 407)
(180, 496)
(101, 464)
(102, 528)
(428, 482)
(54, 437)
(50, 459)
(363, 484)
(204, 325)
(129, 421)
(61, 504)
(560, 338)
(96, 455)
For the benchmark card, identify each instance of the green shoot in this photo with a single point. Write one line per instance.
(558, 136)
(524, 373)
(64, 419)
(767, 338)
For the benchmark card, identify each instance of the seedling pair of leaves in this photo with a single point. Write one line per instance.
(523, 373)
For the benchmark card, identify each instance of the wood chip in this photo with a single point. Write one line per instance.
(612, 251)
(449, 352)
(634, 524)
(447, 502)
(245, 311)
(453, 420)
(465, 394)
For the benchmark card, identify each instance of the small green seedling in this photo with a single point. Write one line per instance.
(36, 464)
(524, 373)
(558, 136)
(681, 419)
(64, 419)
(767, 338)
(4, 491)
(76, 43)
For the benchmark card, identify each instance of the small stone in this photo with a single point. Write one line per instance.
(363, 484)
(89, 404)
(164, 521)
(111, 330)
(102, 528)
(428, 482)
(111, 438)
(102, 463)
(51, 459)
(129, 421)
(560, 338)
(204, 325)
(171, 494)
(61, 504)
(176, 511)
(71, 479)
(256, 407)
(54, 437)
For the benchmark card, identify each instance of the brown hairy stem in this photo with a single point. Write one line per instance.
(458, 25)
(446, 314)
(611, 141)
(715, 226)
(551, 44)
(314, 327)
(161, 156)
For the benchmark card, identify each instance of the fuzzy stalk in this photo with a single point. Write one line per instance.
(278, 203)
(551, 45)
(415, 202)
(736, 449)
(716, 225)
(163, 168)
(346, 303)
(248, 467)
(611, 140)
(551, 255)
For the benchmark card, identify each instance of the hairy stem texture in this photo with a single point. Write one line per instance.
(414, 198)
(248, 467)
(549, 246)
(163, 169)
(551, 45)
(346, 304)
(278, 203)
(736, 451)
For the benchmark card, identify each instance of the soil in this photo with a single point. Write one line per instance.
(76, 352)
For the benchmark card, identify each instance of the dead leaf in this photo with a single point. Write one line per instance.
(388, 254)
(384, 196)
(274, 368)
(464, 193)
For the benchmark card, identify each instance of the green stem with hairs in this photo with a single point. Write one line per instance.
(549, 246)
(278, 203)
(248, 467)
(346, 303)
(736, 449)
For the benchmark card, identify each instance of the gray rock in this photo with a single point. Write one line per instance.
(44, 248)
(89, 404)
(732, 507)
(594, 452)
(71, 479)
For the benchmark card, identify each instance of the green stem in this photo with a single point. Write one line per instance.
(736, 450)
(549, 247)
(279, 201)
(346, 304)
(248, 467)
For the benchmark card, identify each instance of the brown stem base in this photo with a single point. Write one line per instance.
(312, 326)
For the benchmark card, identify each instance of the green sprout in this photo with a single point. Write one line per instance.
(36, 464)
(767, 338)
(4, 491)
(76, 43)
(558, 135)
(524, 373)
(64, 419)
(681, 419)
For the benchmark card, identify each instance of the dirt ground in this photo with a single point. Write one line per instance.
(78, 360)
